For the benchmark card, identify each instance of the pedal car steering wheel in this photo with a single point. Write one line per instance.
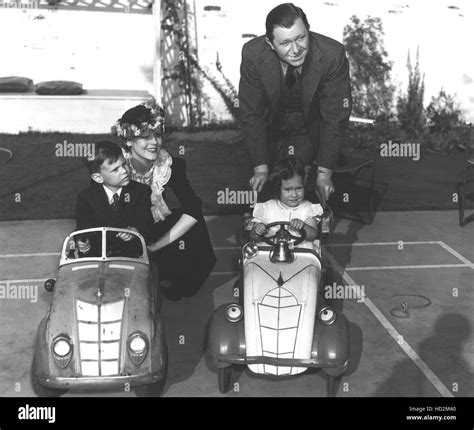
(283, 234)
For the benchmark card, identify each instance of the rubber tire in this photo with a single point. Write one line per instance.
(332, 382)
(155, 389)
(224, 378)
(41, 390)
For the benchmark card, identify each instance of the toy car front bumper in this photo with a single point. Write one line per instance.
(103, 382)
(298, 362)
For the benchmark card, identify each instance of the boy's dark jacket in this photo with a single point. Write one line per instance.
(134, 208)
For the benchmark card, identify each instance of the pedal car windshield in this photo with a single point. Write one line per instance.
(103, 243)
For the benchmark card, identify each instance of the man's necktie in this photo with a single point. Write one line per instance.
(115, 201)
(290, 77)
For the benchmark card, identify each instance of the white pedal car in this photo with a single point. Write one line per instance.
(282, 325)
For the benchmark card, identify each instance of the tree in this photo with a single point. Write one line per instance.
(444, 118)
(411, 113)
(370, 69)
(443, 112)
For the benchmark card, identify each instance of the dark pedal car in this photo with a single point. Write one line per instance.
(283, 325)
(103, 330)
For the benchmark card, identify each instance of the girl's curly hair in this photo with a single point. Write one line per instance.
(284, 169)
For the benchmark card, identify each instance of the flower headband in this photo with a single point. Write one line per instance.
(142, 120)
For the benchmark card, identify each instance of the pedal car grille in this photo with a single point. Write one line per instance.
(99, 329)
(279, 317)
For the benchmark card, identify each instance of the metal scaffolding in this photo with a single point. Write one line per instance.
(127, 6)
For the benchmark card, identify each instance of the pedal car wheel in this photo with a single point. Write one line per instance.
(225, 379)
(41, 390)
(156, 389)
(332, 384)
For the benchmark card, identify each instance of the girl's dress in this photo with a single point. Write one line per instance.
(274, 210)
(188, 261)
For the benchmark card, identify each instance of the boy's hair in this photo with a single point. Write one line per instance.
(284, 169)
(103, 150)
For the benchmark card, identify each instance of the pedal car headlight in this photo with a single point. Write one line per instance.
(250, 250)
(137, 347)
(62, 350)
(327, 316)
(234, 313)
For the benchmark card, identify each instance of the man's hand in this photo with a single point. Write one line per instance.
(260, 176)
(297, 224)
(258, 180)
(324, 185)
(84, 246)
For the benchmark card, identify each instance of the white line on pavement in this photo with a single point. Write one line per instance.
(456, 254)
(429, 242)
(40, 254)
(393, 332)
(22, 281)
(421, 266)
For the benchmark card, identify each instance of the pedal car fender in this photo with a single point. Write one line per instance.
(331, 342)
(226, 338)
(41, 349)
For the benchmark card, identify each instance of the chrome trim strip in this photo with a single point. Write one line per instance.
(121, 266)
(262, 359)
(85, 266)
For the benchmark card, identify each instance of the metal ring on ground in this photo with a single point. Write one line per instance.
(402, 311)
(9, 152)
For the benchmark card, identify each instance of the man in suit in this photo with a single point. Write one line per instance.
(112, 199)
(294, 97)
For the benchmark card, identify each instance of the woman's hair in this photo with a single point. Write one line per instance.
(284, 169)
(284, 15)
(142, 120)
(136, 115)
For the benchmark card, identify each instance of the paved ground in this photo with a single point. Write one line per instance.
(421, 258)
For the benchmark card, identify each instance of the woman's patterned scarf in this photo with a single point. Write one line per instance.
(156, 178)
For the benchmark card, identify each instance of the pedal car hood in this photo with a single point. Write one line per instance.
(261, 275)
(104, 282)
(279, 308)
(98, 305)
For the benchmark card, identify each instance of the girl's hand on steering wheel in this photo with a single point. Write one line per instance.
(297, 224)
(260, 228)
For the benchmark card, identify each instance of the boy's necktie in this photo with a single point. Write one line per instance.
(115, 201)
(290, 77)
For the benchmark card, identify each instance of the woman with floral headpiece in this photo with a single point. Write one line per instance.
(181, 242)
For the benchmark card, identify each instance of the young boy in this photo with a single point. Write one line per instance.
(112, 199)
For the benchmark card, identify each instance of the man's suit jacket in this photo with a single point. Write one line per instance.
(326, 101)
(134, 208)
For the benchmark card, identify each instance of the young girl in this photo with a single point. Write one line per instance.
(287, 186)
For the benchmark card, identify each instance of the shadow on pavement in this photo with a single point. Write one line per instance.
(443, 354)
